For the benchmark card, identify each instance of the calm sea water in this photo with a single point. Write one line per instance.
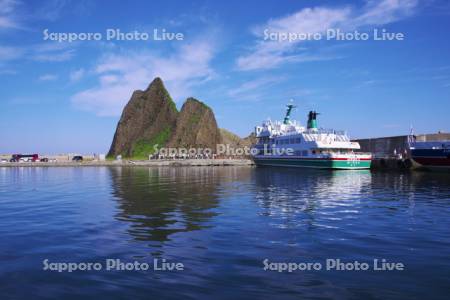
(221, 224)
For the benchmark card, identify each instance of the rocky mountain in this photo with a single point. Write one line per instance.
(235, 141)
(151, 117)
(196, 127)
(229, 138)
(249, 140)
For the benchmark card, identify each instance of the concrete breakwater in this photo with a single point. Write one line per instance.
(385, 147)
(392, 153)
(149, 163)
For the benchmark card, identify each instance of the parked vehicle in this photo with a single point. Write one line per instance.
(24, 158)
(77, 158)
(45, 159)
(3, 161)
(15, 158)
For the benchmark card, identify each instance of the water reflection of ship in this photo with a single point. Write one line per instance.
(287, 192)
(159, 202)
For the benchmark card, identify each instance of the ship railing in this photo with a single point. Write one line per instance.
(329, 131)
(339, 134)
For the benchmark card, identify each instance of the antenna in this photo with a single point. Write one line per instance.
(289, 106)
(411, 138)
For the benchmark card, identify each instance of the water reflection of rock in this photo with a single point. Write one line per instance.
(159, 202)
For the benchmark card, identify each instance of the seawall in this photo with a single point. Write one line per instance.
(395, 145)
(131, 163)
(392, 153)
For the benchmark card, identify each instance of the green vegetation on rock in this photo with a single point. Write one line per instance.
(170, 100)
(202, 104)
(143, 148)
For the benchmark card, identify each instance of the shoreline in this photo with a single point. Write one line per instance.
(144, 163)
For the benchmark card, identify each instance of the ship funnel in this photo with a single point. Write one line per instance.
(290, 106)
(312, 120)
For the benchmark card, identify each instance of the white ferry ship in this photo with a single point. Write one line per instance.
(289, 144)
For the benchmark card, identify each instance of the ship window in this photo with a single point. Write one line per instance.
(298, 140)
(292, 141)
(305, 153)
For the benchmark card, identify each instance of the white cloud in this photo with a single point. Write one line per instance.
(7, 6)
(386, 11)
(51, 10)
(76, 75)
(269, 54)
(108, 79)
(54, 56)
(48, 77)
(50, 52)
(10, 53)
(120, 74)
(53, 52)
(6, 22)
(249, 87)
(8, 72)
(8, 18)
(264, 88)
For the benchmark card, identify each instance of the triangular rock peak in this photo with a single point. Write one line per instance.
(148, 118)
(151, 118)
(196, 127)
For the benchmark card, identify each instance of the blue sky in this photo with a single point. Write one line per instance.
(59, 97)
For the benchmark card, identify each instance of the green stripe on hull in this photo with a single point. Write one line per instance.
(319, 164)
